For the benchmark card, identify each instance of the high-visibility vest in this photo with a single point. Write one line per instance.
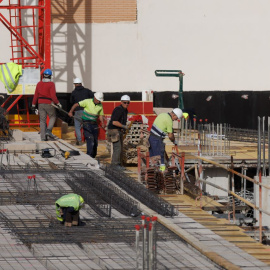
(10, 74)
(69, 200)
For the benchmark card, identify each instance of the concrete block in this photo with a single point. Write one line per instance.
(64, 127)
(17, 135)
(20, 146)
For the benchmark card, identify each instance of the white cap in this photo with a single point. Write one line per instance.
(77, 80)
(178, 112)
(99, 96)
(125, 98)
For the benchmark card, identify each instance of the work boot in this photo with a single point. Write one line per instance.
(49, 133)
(79, 143)
(118, 167)
(75, 223)
(68, 224)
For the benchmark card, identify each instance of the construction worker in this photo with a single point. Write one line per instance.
(78, 94)
(162, 126)
(116, 127)
(92, 110)
(45, 94)
(67, 209)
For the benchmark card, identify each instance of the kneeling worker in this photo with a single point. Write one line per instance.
(162, 126)
(67, 209)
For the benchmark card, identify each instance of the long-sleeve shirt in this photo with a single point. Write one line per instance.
(45, 93)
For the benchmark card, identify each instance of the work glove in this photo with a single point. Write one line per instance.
(33, 108)
(124, 126)
(59, 105)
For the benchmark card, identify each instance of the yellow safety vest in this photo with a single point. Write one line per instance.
(10, 74)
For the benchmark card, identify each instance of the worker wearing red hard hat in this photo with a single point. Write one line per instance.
(162, 126)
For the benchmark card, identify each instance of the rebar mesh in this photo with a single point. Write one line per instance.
(139, 191)
(99, 230)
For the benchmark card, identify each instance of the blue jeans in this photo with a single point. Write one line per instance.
(77, 124)
(157, 147)
(91, 137)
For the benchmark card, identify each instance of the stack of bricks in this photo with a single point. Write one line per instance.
(134, 138)
(94, 11)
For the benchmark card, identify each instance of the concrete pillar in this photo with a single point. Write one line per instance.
(265, 200)
(217, 176)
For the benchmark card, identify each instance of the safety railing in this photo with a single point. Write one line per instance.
(231, 190)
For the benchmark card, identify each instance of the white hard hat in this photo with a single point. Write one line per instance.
(125, 98)
(77, 80)
(178, 112)
(99, 96)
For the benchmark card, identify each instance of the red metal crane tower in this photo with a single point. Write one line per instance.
(30, 32)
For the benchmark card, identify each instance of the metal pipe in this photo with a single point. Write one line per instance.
(213, 141)
(268, 146)
(137, 228)
(242, 179)
(144, 251)
(194, 129)
(260, 206)
(245, 182)
(233, 190)
(218, 138)
(259, 146)
(154, 221)
(263, 127)
(150, 246)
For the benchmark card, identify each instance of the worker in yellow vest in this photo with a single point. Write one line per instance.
(10, 74)
(162, 126)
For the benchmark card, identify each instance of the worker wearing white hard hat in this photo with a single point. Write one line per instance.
(92, 111)
(162, 127)
(99, 96)
(116, 127)
(78, 94)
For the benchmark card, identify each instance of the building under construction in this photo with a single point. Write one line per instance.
(209, 209)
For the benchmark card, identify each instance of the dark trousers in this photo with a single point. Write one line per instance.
(91, 137)
(157, 147)
(69, 215)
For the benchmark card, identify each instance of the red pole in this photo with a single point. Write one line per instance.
(47, 29)
(139, 160)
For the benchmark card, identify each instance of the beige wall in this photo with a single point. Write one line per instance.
(219, 45)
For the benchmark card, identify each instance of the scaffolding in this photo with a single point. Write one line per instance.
(30, 41)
